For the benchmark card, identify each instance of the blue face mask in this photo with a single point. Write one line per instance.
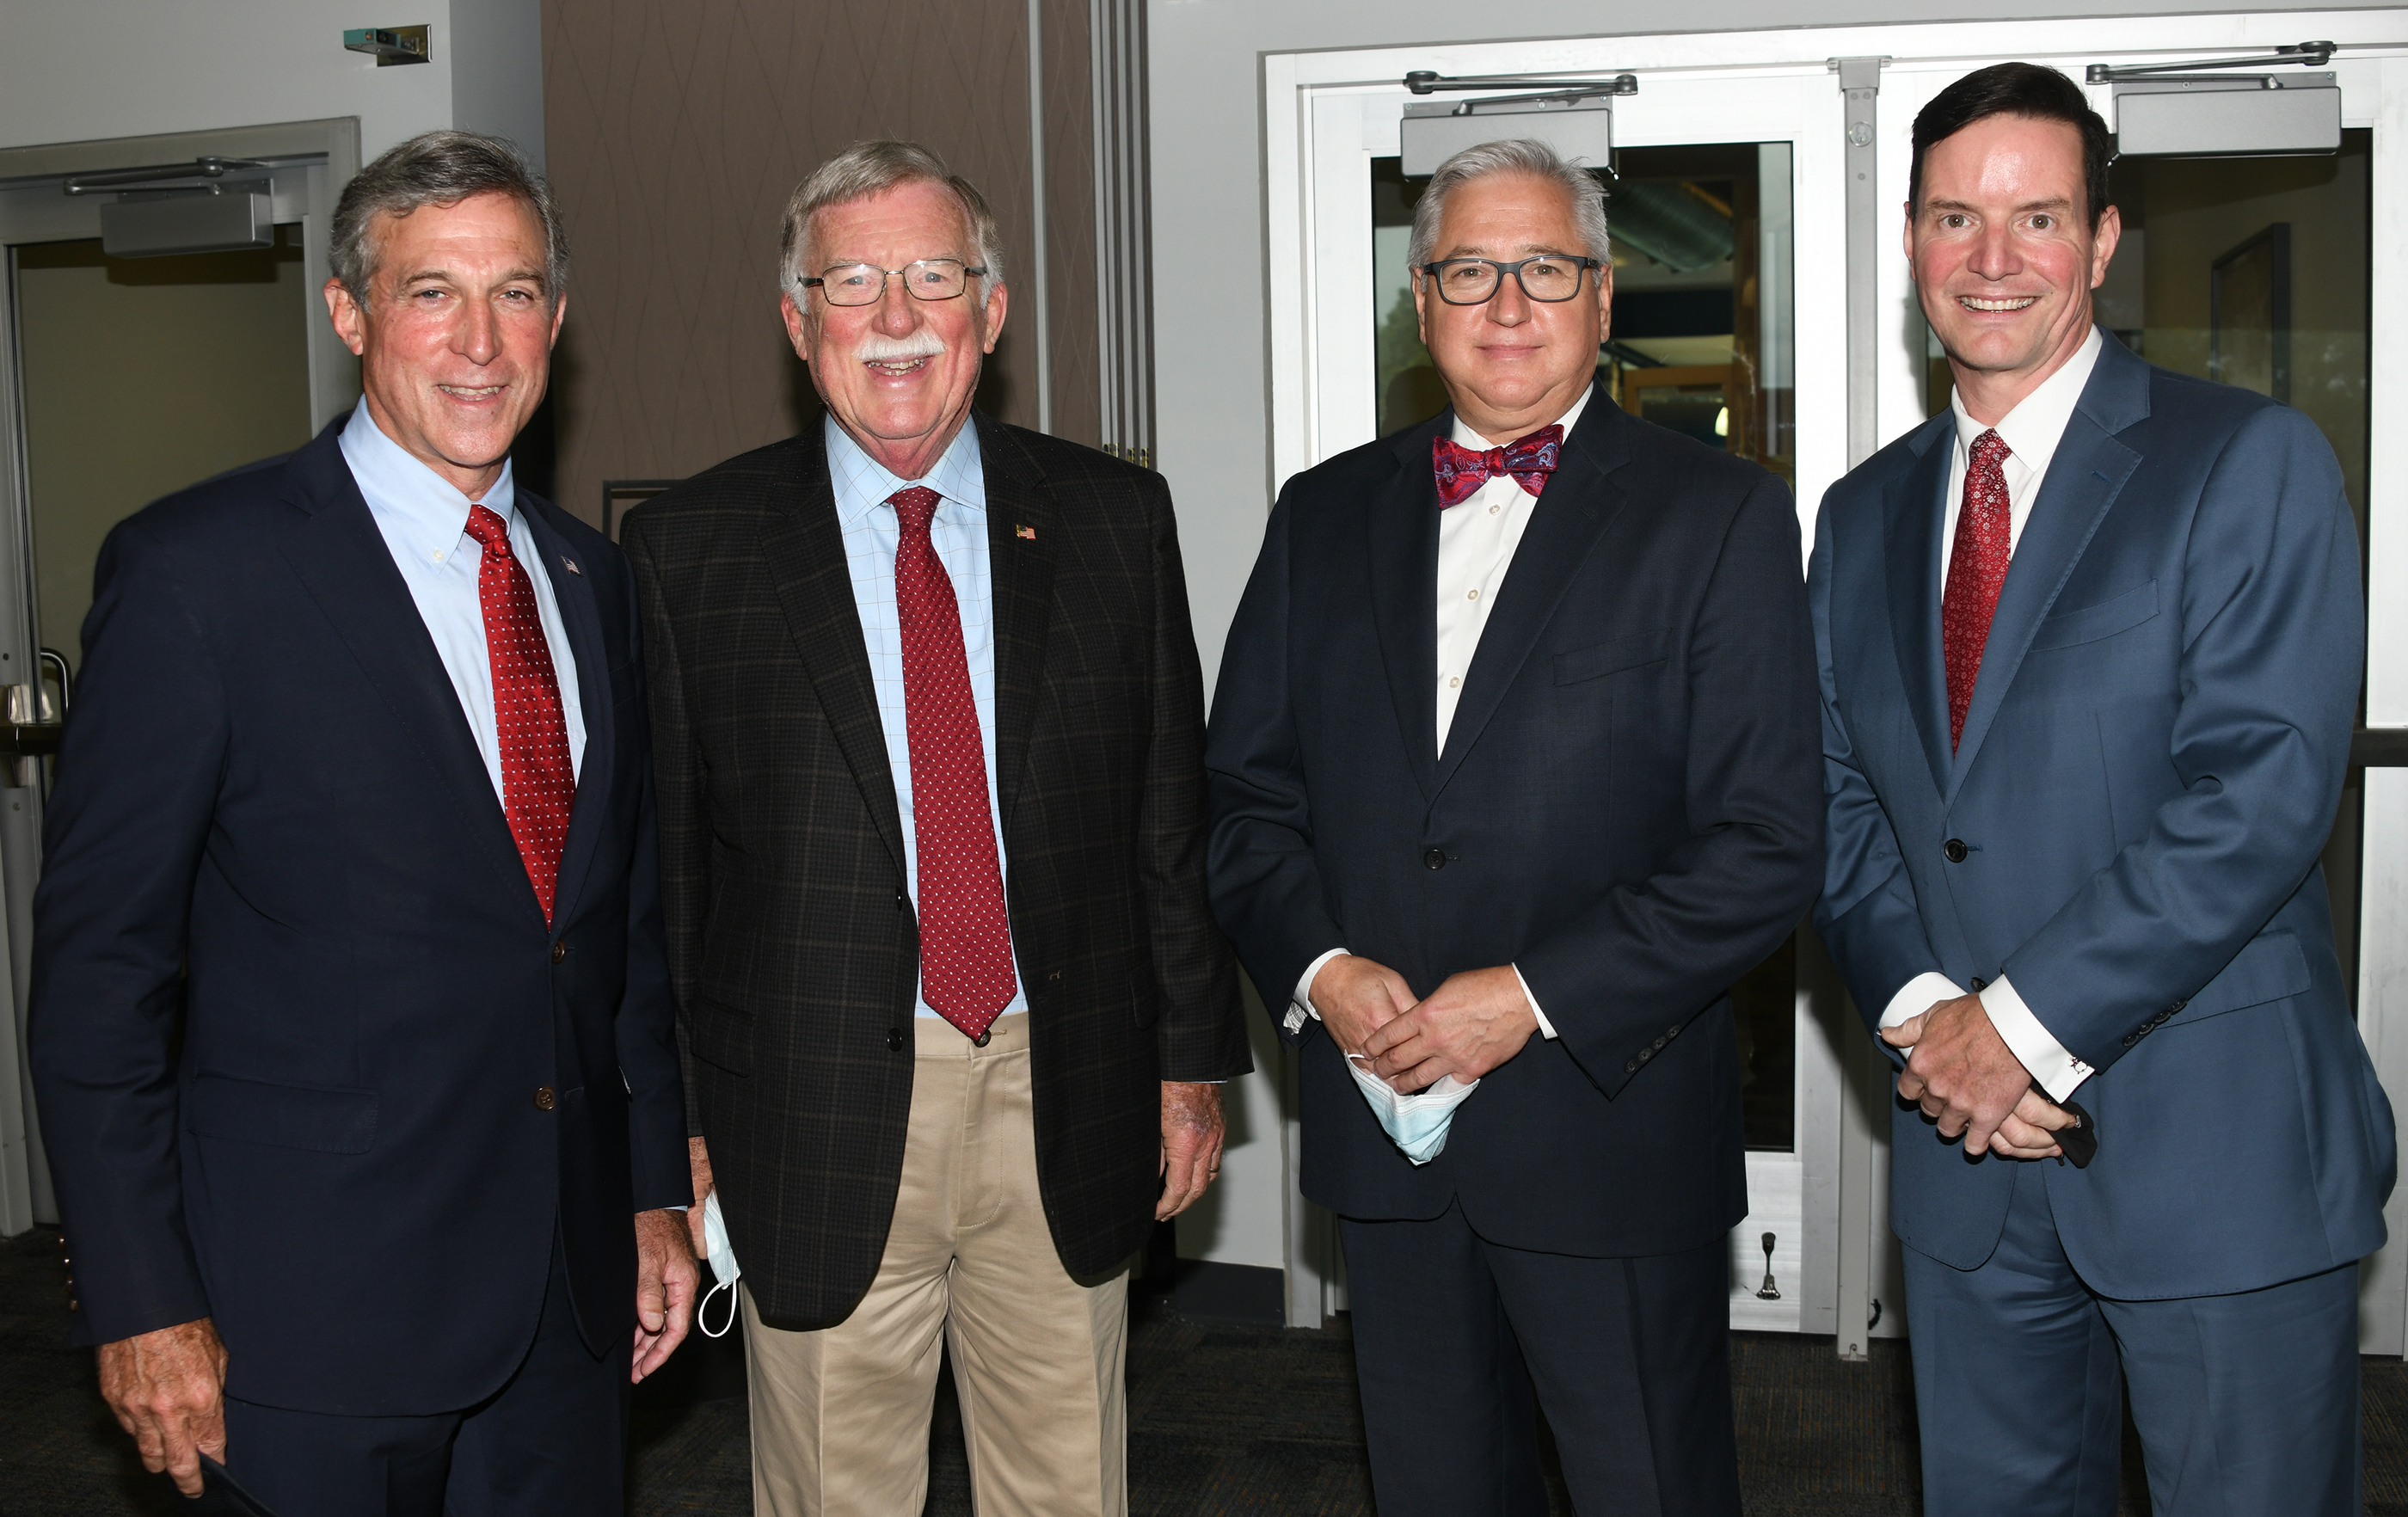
(1416, 1124)
(723, 1264)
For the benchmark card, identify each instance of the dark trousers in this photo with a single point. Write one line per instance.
(2245, 1404)
(552, 1440)
(1630, 1359)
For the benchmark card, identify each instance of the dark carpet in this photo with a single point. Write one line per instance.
(1223, 1419)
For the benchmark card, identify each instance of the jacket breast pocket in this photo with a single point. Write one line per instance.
(1615, 655)
(318, 1118)
(2268, 969)
(720, 1036)
(2090, 623)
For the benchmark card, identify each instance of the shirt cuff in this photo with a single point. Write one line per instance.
(2058, 1071)
(1301, 1005)
(1920, 995)
(1546, 1028)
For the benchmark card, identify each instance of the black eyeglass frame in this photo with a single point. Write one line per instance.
(1513, 268)
(969, 272)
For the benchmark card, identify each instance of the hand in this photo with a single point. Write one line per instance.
(697, 1161)
(1356, 995)
(167, 1388)
(1468, 1026)
(1192, 1130)
(2025, 1133)
(1964, 1075)
(665, 1284)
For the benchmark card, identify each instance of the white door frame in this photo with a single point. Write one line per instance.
(1326, 112)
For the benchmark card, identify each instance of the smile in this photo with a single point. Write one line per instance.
(896, 367)
(2006, 303)
(472, 392)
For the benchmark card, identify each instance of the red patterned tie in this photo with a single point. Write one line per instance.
(538, 784)
(1461, 471)
(966, 974)
(1977, 567)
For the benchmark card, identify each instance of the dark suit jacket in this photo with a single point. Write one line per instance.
(1627, 808)
(293, 995)
(2147, 774)
(793, 945)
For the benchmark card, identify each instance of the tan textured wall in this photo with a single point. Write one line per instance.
(675, 130)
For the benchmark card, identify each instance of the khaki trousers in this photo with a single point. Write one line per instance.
(840, 1416)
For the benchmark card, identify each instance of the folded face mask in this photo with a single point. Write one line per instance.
(1416, 1124)
(723, 1264)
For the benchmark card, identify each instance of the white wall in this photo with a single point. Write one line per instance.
(74, 70)
(1213, 354)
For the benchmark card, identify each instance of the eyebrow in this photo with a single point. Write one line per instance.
(1529, 250)
(2052, 202)
(444, 276)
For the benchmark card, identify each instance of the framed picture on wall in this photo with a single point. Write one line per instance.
(2249, 314)
(620, 496)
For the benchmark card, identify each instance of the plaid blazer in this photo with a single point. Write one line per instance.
(794, 951)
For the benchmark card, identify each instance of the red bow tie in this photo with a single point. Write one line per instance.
(1460, 471)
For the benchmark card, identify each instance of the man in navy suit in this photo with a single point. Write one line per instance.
(2090, 643)
(351, 1021)
(1512, 769)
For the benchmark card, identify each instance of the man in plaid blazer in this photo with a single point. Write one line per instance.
(929, 726)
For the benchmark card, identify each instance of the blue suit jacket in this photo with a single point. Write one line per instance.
(1626, 810)
(2148, 771)
(292, 993)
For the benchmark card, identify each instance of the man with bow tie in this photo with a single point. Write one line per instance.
(1513, 772)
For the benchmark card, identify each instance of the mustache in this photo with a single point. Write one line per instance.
(877, 348)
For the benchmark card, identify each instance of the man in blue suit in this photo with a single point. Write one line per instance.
(350, 1019)
(2091, 645)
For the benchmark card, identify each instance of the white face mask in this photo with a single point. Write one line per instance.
(723, 1264)
(1417, 1122)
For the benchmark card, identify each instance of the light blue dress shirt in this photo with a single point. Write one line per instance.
(958, 533)
(425, 525)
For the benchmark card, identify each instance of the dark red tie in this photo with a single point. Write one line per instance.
(1462, 471)
(538, 783)
(966, 974)
(1977, 567)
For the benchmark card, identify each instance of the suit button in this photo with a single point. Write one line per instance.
(1660, 1043)
(901, 900)
(1645, 1054)
(1435, 858)
(893, 1039)
(1673, 1031)
(2178, 1006)
(560, 951)
(2131, 1038)
(544, 1100)
(1954, 850)
(1630, 1068)
(1978, 983)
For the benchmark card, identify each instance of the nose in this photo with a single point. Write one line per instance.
(1509, 306)
(898, 312)
(479, 337)
(1994, 255)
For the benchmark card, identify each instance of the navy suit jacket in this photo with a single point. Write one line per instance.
(2148, 771)
(1625, 809)
(293, 996)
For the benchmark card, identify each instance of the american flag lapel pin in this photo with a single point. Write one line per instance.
(570, 564)
(1029, 533)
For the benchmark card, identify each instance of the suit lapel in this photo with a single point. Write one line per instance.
(1021, 569)
(1571, 513)
(343, 562)
(1914, 506)
(2084, 476)
(1400, 532)
(581, 620)
(803, 547)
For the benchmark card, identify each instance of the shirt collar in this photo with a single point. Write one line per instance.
(862, 482)
(426, 511)
(2033, 429)
(1465, 436)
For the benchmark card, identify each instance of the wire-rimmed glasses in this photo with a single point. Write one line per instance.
(864, 284)
(1471, 281)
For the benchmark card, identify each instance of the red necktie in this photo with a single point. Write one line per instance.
(966, 974)
(538, 784)
(1461, 471)
(1977, 567)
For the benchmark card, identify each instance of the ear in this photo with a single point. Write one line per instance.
(797, 327)
(1604, 304)
(350, 323)
(1421, 304)
(2102, 244)
(997, 301)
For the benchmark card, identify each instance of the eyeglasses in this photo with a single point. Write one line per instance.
(1469, 282)
(864, 284)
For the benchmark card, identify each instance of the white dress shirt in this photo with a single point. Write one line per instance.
(2031, 432)
(424, 521)
(1476, 541)
(958, 533)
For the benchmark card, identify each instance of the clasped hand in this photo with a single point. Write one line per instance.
(1964, 1078)
(1474, 1021)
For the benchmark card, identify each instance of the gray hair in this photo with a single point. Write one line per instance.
(871, 168)
(439, 168)
(1516, 155)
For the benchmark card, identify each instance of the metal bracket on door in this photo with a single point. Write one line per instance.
(33, 723)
